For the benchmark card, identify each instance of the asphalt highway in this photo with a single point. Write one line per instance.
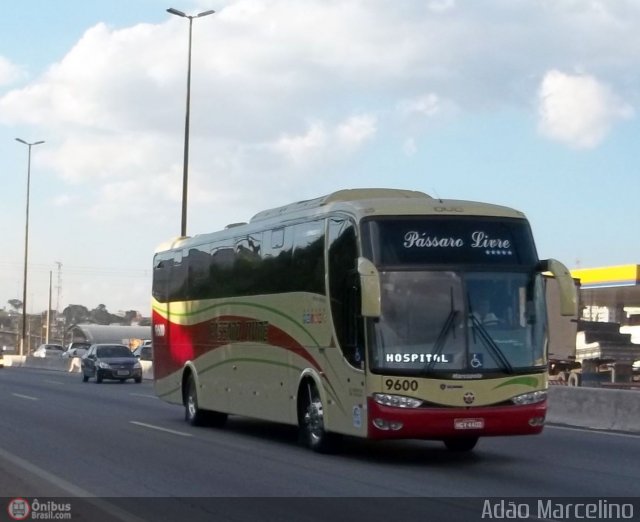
(119, 451)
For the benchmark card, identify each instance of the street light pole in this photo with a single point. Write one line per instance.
(185, 170)
(26, 249)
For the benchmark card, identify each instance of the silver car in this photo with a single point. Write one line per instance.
(48, 350)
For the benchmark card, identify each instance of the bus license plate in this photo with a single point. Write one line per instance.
(469, 424)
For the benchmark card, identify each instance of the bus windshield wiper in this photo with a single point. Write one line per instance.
(442, 338)
(490, 344)
(438, 346)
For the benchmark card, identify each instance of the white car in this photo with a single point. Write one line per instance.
(76, 349)
(48, 350)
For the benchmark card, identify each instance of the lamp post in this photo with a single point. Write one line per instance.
(185, 171)
(26, 249)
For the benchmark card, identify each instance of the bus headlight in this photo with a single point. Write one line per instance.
(396, 401)
(529, 398)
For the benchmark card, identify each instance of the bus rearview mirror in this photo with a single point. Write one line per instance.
(369, 288)
(568, 292)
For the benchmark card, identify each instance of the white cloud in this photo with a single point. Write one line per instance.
(320, 143)
(426, 105)
(578, 109)
(440, 6)
(356, 130)
(301, 147)
(62, 200)
(9, 72)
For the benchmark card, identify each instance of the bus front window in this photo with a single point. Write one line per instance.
(444, 321)
(420, 322)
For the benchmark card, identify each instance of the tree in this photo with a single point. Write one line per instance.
(100, 315)
(16, 304)
(75, 314)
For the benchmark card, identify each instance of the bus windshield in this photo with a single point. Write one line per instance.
(438, 321)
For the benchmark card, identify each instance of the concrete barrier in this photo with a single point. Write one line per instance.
(48, 363)
(62, 364)
(596, 408)
(14, 360)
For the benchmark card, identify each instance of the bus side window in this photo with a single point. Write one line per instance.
(178, 284)
(161, 273)
(198, 262)
(344, 290)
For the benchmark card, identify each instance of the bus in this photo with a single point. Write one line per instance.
(358, 314)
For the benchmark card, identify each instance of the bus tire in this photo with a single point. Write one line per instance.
(311, 420)
(192, 413)
(461, 444)
(197, 416)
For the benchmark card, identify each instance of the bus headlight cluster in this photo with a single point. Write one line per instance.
(530, 398)
(397, 401)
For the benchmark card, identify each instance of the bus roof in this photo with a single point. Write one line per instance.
(378, 201)
(339, 196)
(362, 202)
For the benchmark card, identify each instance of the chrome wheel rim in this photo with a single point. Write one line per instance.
(314, 419)
(191, 406)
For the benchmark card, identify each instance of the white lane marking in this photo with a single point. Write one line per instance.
(594, 430)
(70, 488)
(159, 428)
(146, 395)
(25, 397)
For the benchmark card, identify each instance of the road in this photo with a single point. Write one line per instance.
(64, 438)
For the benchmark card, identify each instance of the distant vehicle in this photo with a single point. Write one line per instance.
(76, 349)
(144, 352)
(110, 361)
(48, 350)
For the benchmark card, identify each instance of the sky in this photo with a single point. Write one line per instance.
(533, 104)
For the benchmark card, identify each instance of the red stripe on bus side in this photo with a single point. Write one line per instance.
(187, 343)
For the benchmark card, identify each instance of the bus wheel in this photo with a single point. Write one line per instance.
(196, 416)
(192, 414)
(311, 421)
(458, 444)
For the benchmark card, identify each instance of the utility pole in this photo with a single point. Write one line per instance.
(185, 170)
(58, 291)
(26, 247)
(59, 287)
(49, 308)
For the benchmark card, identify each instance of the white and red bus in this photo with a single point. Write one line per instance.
(360, 313)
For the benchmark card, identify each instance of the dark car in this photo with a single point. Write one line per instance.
(110, 361)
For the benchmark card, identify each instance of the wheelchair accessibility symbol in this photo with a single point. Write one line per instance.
(476, 360)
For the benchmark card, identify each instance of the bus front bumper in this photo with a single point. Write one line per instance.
(386, 422)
